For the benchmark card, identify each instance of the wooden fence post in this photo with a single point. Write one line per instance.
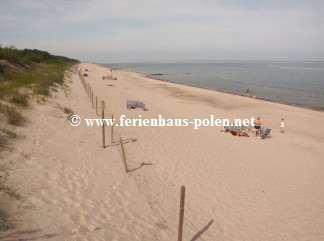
(112, 130)
(90, 91)
(96, 105)
(181, 214)
(92, 99)
(103, 124)
(123, 152)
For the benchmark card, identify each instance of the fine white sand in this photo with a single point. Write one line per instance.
(237, 188)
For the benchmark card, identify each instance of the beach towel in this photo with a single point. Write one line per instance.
(135, 104)
(234, 133)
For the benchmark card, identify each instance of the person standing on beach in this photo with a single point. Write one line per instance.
(257, 126)
(248, 92)
(282, 125)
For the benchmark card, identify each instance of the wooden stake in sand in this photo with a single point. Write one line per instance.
(123, 152)
(182, 202)
(90, 92)
(96, 105)
(112, 130)
(92, 100)
(103, 124)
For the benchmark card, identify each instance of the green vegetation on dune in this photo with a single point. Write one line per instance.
(27, 72)
(28, 56)
(23, 74)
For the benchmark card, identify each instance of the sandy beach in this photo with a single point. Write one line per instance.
(237, 188)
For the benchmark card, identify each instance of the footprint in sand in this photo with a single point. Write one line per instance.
(33, 202)
(123, 203)
(53, 176)
(67, 200)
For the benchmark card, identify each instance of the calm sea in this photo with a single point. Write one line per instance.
(300, 83)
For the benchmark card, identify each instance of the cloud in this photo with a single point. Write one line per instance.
(161, 29)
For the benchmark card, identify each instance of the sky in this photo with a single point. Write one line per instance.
(112, 31)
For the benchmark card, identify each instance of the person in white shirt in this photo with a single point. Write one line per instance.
(282, 125)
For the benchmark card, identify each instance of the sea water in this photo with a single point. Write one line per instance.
(299, 83)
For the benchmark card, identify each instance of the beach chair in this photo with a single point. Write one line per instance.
(263, 129)
(265, 133)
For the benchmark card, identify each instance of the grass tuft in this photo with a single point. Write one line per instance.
(68, 111)
(3, 220)
(10, 191)
(9, 133)
(3, 141)
(14, 117)
(19, 99)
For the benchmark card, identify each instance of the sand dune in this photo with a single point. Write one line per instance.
(236, 188)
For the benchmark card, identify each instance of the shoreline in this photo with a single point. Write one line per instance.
(220, 91)
(238, 94)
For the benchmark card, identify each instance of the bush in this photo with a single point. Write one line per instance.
(2, 68)
(43, 71)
